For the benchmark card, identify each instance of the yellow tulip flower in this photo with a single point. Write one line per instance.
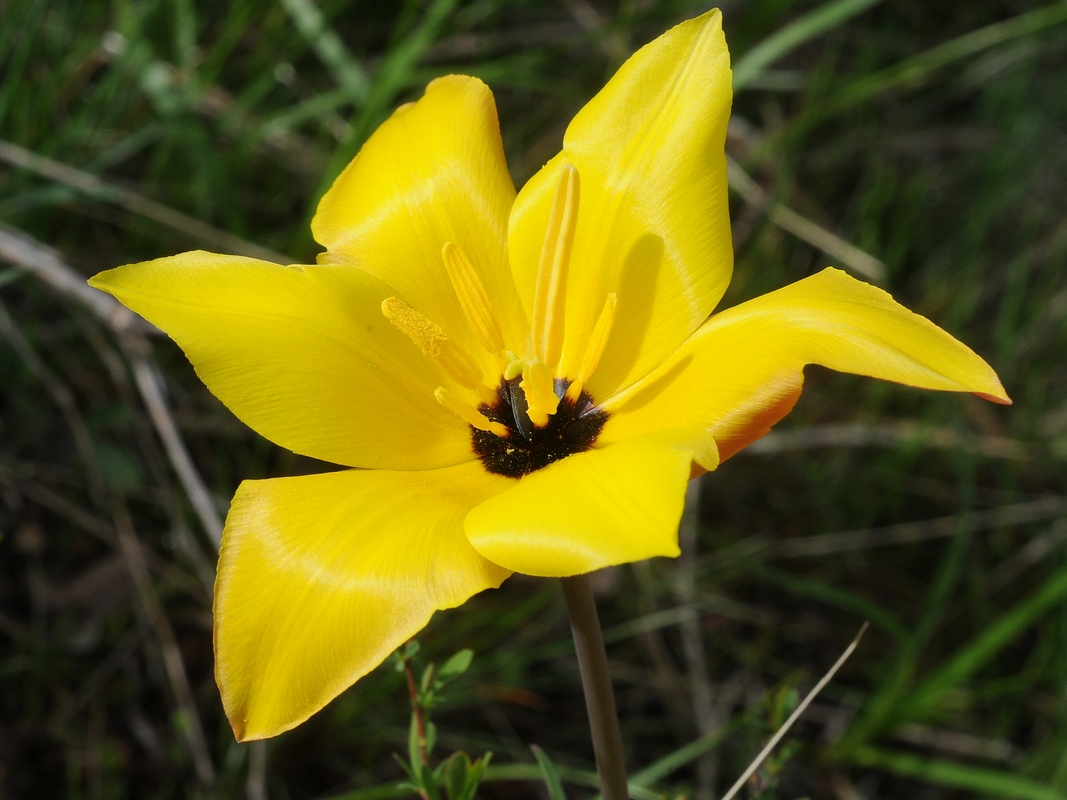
(521, 383)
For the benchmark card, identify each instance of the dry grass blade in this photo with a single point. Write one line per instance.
(134, 555)
(150, 385)
(847, 255)
(44, 263)
(62, 396)
(256, 785)
(766, 751)
(26, 252)
(1016, 514)
(134, 203)
(890, 434)
(129, 545)
(61, 506)
(329, 47)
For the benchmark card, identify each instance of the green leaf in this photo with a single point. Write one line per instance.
(404, 765)
(994, 638)
(429, 783)
(454, 667)
(686, 754)
(474, 776)
(548, 772)
(457, 770)
(426, 683)
(989, 782)
(824, 18)
(413, 746)
(431, 737)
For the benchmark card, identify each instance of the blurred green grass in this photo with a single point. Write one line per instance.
(931, 136)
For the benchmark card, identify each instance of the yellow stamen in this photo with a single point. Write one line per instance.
(488, 395)
(539, 388)
(433, 342)
(469, 415)
(551, 290)
(598, 340)
(574, 391)
(472, 298)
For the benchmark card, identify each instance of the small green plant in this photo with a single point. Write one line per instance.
(778, 705)
(456, 777)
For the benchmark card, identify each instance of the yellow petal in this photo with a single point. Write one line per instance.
(653, 221)
(588, 511)
(743, 370)
(321, 577)
(302, 355)
(433, 173)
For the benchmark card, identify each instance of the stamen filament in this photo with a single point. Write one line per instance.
(594, 349)
(598, 339)
(433, 342)
(469, 415)
(549, 309)
(473, 298)
(539, 387)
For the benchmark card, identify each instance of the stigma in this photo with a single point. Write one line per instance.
(524, 413)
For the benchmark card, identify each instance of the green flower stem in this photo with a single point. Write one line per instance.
(599, 698)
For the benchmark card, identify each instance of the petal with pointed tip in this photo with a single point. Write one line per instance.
(434, 172)
(653, 220)
(302, 355)
(743, 370)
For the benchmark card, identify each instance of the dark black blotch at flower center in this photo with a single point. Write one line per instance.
(574, 428)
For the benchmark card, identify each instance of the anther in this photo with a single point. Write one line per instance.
(594, 349)
(550, 293)
(473, 298)
(433, 342)
(469, 415)
(539, 387)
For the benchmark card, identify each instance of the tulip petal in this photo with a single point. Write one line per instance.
(302, 355)
(434, 172)
(743, 370)
(653, 220)
(591, 510)
(321, 577)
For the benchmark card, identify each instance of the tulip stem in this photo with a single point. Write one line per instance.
(596, 683)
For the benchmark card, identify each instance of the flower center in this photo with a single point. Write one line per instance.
(535, 415)
(527, 447)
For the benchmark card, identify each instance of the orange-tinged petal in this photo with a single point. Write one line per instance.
(743, 370)
(653, 220)
(591, 510)
(433, 173)
(302, 355)
(321, 577)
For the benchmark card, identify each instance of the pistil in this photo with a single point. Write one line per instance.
(539, 387)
